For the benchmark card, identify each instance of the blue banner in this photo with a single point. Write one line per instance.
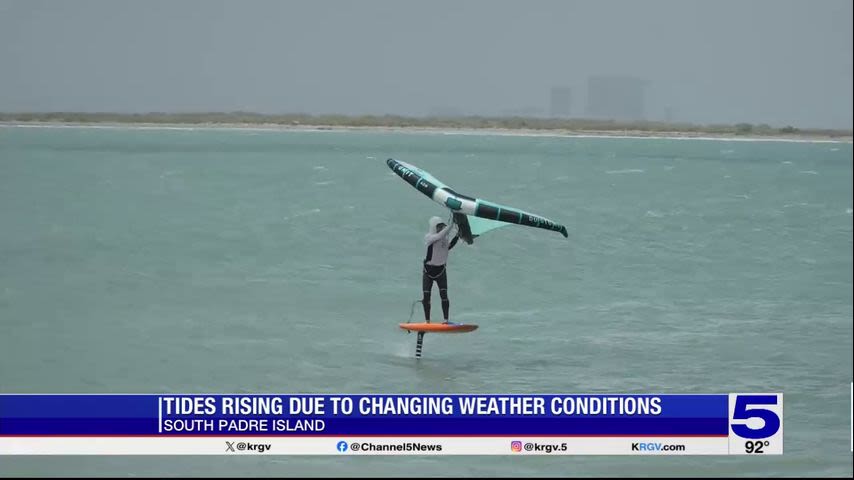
(364, 415)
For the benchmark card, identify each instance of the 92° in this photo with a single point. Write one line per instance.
(755, 423)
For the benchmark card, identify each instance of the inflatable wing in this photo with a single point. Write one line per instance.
(473, 216)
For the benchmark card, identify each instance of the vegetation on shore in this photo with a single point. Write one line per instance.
(393, 121)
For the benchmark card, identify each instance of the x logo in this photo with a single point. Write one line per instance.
(229, 446)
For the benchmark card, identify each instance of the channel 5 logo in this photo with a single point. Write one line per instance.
(756, 423)
(516, 446)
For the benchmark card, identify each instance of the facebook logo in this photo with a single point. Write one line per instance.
(342, 446)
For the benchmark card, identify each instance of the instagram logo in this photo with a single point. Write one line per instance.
(516, 446)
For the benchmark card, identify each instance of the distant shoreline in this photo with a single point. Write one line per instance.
(513, 126)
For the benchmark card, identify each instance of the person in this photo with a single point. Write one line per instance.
(435, 265)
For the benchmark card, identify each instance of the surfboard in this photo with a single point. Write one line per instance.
(439, 327)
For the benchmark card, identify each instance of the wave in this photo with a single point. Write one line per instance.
(302, 214)
(628, 170)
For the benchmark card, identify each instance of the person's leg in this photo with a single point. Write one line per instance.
(442, 281)
(426, 287)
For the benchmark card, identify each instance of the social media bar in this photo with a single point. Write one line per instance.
(366, 446)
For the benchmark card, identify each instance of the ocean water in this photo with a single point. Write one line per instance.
(199, 260)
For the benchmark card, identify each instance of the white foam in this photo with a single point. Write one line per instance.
(328, 182)
(848, 211)
(745, 196)
(628, 170)
(809, 172)
(654, 214)
(320, 167)
(405, 349)
(787, 162)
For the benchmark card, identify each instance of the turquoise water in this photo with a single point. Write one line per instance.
(260, 261)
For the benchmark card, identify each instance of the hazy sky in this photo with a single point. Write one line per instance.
(774, 61)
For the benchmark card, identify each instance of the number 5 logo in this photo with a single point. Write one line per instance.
(750, 406)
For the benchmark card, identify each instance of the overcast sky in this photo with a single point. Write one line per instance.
(774, 61)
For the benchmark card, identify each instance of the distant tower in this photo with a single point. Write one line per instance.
(615, 98)
(561, 101)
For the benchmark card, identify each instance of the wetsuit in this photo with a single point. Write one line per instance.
(435, 269)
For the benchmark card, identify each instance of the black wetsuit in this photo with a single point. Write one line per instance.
(439, 274)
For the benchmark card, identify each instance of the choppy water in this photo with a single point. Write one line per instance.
(258, 261)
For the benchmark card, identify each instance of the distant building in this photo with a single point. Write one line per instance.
(561, 102)
(615, 98)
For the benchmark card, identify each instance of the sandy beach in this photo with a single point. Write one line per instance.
(581, 133)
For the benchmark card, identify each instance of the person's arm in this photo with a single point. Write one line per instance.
(454, 241)
(456, 236)
(433, 237)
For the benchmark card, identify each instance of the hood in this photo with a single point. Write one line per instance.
(433, 222)
(432, 226)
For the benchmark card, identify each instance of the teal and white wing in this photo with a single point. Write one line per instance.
(473, 215)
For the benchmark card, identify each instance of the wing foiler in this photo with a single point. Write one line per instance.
(473, 216)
